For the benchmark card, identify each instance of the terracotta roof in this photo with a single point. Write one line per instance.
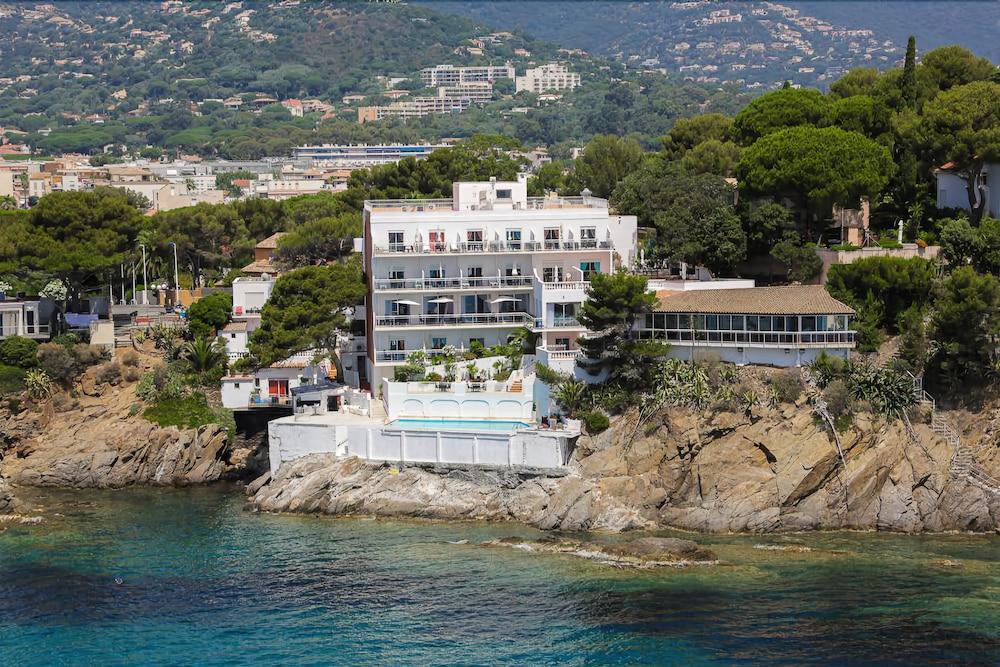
(235, 326)
(259, 266)
(271, 241)
(790, 300)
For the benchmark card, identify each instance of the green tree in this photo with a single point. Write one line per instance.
(960, 126)
(615, 302)
(778, 110)
(18, 351)
(802, 262)
(208, 315)
(816, 167)
(765, 226)
(908, 82)
(550, 178)
(713, 157)
(605, 161)
(950, 66)
(319, 241)
(899, 284)
(306, 310)
(858, 81)
(689, 132)
(205, 354)
(962, 244)
(705, 234)
(966, 327)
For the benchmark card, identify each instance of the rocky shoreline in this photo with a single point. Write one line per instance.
(716, 474)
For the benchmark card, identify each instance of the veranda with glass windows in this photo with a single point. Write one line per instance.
(743, 329)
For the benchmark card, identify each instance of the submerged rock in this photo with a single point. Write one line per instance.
(643, 552)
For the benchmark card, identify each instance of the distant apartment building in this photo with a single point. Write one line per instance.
(480, 92)
(415, 108)
(473, 269)
(449, 75)
(362, 155)
(553, 76)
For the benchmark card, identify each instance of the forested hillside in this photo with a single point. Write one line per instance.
(94, 76)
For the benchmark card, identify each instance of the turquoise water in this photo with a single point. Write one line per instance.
(186, 577)
(461, 424)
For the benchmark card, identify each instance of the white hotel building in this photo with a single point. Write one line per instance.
(478, 266)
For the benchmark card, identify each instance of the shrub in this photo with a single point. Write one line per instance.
(432, 377)
(63, 402)
(209, 314)
(19, 351)
(87, 355)
(131, 374)
(134, 409)
(827, 368)
(595, 421)
(189, 412)
(109, 373)
(66, 340)
(38, 383)
(130, 358)
(160, 384)
(838, 398)
(787, 385)
(56, 362)
(14, 405)
(11, 379)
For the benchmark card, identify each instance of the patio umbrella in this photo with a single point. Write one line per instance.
(441, 299)
(407, 302)
(503, 299)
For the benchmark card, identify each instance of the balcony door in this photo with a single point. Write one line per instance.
(436, 241)
(277, 388)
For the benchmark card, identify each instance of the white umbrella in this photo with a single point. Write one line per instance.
(503, 299)
(407, 302)
(441, 299)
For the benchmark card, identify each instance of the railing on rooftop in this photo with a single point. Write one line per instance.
(532, 204)
(509, 319)
(439, 247)
(751, 337)
(453, 283)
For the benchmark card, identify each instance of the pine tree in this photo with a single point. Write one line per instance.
(908, 82)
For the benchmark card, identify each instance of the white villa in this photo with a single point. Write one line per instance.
(249, 296)
(29, 318)
(474, 268)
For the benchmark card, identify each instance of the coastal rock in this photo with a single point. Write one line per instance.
(722, 473)
(642, 553)
(102, 441)
(8, 503)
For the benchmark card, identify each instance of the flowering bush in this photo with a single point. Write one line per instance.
(54, 290)
(5, 286)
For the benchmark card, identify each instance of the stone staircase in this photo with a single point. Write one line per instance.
(963, 462)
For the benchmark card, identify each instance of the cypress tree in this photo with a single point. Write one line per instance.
(908, 82)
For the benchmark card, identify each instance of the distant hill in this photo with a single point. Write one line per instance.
(759, 44)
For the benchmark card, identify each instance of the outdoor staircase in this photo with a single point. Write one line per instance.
(515, 387)
(963, 462)
(378, 409)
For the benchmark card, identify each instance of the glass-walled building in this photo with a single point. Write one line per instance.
(778, 326)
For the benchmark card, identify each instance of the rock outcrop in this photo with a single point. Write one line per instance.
(718, 473)
(98, 438)
(8, 503)
(644, 552)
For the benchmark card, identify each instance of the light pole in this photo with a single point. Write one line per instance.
(145, 283)
(177, 281)
(133, 284)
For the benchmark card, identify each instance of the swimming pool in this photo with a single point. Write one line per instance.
(460, 424)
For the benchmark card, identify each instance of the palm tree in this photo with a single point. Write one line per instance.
(8, 203)
(570, 396)
(205, 354)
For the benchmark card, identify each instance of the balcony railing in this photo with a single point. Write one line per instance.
(32, 331)
(486, 282)
(269, 401)
(561, 353)
(437, 205)
(751, 338)
(567, 284)
(562, 321)
(440, 247)
(508, 319)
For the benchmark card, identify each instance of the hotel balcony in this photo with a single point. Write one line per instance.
(456, 319)
(460, 283)
(753, 338)
(486, 247)
(448, 205)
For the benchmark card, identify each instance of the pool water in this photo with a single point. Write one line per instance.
(461, 424)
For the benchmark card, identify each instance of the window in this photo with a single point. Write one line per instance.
(481, 342)
(396, 278)
(436, 241)
(475, 272)
(589, 268)
(588, 237)
(236, 385)
(562, 344)
(564, 314)
(233, 336)
(397, 345)
(475, 239)
(396, 241)
(552, 274)
(277, 387)
(512, 270)
(438, 343)
(436, 272)
(475, 303)
(514, 239)
(552, 238)
(30, 320)
(504, 194)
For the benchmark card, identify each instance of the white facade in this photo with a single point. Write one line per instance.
(547, 77)
(480, 92)
(477, 267)
(449, 75)
(461, 400)
(271, 386)
(363, 155)
(249, 296)
(952, 191)
(6, 183)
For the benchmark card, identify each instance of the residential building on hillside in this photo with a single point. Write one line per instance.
(263, 253)
(6, 183)
(776, 326)
(473, 269)
(480, 92)
(26, 317)
(553, 76)
(362, 155)
(449, 75)
(415, 108)
(952, 191)
(249, 296)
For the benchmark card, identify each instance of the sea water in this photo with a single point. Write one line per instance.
(187, 577)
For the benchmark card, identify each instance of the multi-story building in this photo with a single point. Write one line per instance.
(363, 155)
(449, 75)
(553, 76)
(480, 92)
(475, 268)
(6, 183)
(418, 106)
